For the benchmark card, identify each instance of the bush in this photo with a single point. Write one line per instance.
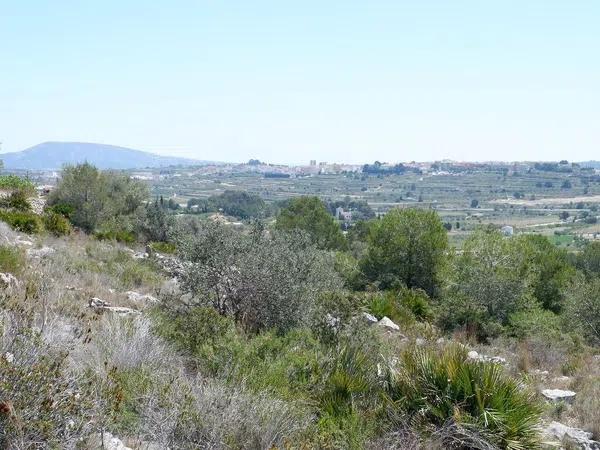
(449, 389)
(11, 259)
(13, 182)
(16, 200)
(26, 222)
(163, 247)
(123, 236)
(56, 223)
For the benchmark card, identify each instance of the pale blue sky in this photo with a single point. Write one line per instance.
(292, 81)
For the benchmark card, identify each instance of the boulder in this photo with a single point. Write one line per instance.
(387, 323)
(559, 395)
(107, 441)
(474, 356)
(574, 437)
(369, 318)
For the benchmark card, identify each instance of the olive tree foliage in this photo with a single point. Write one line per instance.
(583, 308)
(95, 196)
(310, 214)
(263, 280)
(407, 246)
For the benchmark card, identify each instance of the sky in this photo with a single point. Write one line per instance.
(286, 82)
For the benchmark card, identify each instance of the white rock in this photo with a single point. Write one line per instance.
(9, 357)
(8, 280)
(562, 379)
(369, 318)
(473, 355)
(386, 323)
(96, 302)
(440, 341)
(559, 395)
(110, 442)
(581, 438)
(137, 297)
(102, 305)
(332, 321)
(40, 252)
(420, 341)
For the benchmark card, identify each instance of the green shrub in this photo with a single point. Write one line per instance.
(12, 182)
(438, 389)
(11, 259)
(26, 222)
(16, 200)
(163, 247)
(417, 301)
(388, 305)
(56, 223)
(63, 209)
(123, 236)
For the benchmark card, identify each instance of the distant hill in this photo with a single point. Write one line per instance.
(53, 155)
(590, 164)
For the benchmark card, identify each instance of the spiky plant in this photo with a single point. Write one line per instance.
(438, 389)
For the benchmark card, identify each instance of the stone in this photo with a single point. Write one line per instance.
(107, 441)
(8, 280)
(9, 357)
(440, 341)
(369, 318)
(137, 297)
(101, 305)
(473, 355)
(40, 252)
(387, 323)
(559, 395)
(573, 436)
(420, 341)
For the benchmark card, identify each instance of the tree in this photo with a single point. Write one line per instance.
(566, 185)
(547, 268)
(406, 246)
(583, 308)
(310, 215)
(588, 261)
(474, 203)
(95, 196)
(485, 285)
(154, 223)
(261, 280)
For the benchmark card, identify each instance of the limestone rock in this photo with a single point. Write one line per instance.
(137, 297)
(40, 252)
(572, 436)
(102, 305)
(559, 395)
(369, 318)
(387, 323)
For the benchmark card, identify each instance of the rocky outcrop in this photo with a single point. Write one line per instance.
(369, 318)
(102, 305)
(571, 437)
(559, 395)
(387, 324)
(40, 252)
(474, 356)
(140, 298)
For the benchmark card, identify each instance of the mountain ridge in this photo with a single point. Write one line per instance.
(53, 155)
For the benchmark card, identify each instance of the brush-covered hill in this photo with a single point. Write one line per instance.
(53, 155)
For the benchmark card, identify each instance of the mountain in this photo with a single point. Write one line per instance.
(53, 155)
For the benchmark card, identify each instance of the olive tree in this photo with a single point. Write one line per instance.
(407, 246)
(262, 280)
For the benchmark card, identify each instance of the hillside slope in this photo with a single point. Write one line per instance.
(53, 155)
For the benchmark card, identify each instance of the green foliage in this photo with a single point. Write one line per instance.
(93, 196)
(153, 222)
(56, 223)
(12, 259)
(240, 204)
(124, 236)
(444, 388)
(583, 309)
(63, 209)
(310, 215)
(547, 268)
(535, 322)
(406, 247)
(163, 247)
(14, 182)
(262, 280)
(24, 221)
(16, 200)
(588, 260)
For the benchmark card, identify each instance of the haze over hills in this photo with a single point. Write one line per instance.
(53, 155)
